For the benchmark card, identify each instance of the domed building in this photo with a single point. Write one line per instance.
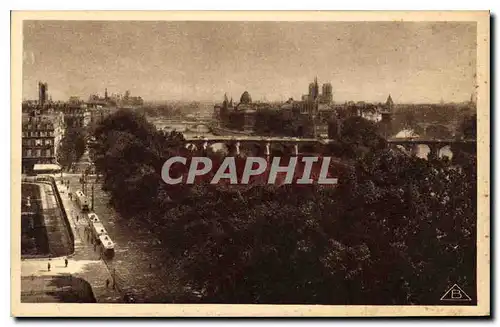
(245, 98)
(248, 110)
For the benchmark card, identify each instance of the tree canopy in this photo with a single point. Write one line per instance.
(354, 136)
(468, 127)
(71, 148)
(395, 230)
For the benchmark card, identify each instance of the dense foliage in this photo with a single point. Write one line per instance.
(71, 147)
(468, 127)
(396, 230)
(354, 137)
(277, 122)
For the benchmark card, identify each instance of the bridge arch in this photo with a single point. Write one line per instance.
(426, 149)
(445, 152)
(221, 147)
(422, 151)
(192, 146)
(436, 151)
(199, 128)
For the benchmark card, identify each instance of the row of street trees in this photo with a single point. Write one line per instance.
(396, 229)
(72, 147)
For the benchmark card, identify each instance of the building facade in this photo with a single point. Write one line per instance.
(97, 114)
(325, 97)
(77, 116)
(41, 135)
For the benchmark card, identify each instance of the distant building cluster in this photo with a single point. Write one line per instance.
(45, 122)
(308, 117)
(370, 111)
(116, 99)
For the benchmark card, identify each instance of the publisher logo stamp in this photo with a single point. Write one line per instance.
(455, 293)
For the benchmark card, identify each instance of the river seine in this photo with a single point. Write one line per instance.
(196, 127)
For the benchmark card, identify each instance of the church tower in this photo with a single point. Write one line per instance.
(316, 88)
(389, 104)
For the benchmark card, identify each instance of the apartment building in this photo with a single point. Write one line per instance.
(41, 135)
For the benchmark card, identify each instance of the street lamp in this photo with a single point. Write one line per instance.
(82, 181)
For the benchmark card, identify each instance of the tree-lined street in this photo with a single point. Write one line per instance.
(141, 263)
(45, 276)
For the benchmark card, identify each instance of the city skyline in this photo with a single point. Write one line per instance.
(415, 62)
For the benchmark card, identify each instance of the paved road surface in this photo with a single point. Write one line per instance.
(61, 283)
(140, 260)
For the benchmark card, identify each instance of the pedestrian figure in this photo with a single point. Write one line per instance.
(107, 283)
(65, 262)
(48, 266)
(76, 218)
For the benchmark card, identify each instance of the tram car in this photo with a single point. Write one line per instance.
(98, 230)
(82, 201)
(93, 218)
(107, 245)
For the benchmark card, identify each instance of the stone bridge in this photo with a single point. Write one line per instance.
(234, 144)
(199, 128)
(316, 145)
(435, 145)
(434, 129)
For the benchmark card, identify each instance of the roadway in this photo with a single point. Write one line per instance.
(141, 264)
(85, 273)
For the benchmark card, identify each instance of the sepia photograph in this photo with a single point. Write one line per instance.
(250, 164)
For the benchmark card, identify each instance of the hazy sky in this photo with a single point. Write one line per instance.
(414, 62)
